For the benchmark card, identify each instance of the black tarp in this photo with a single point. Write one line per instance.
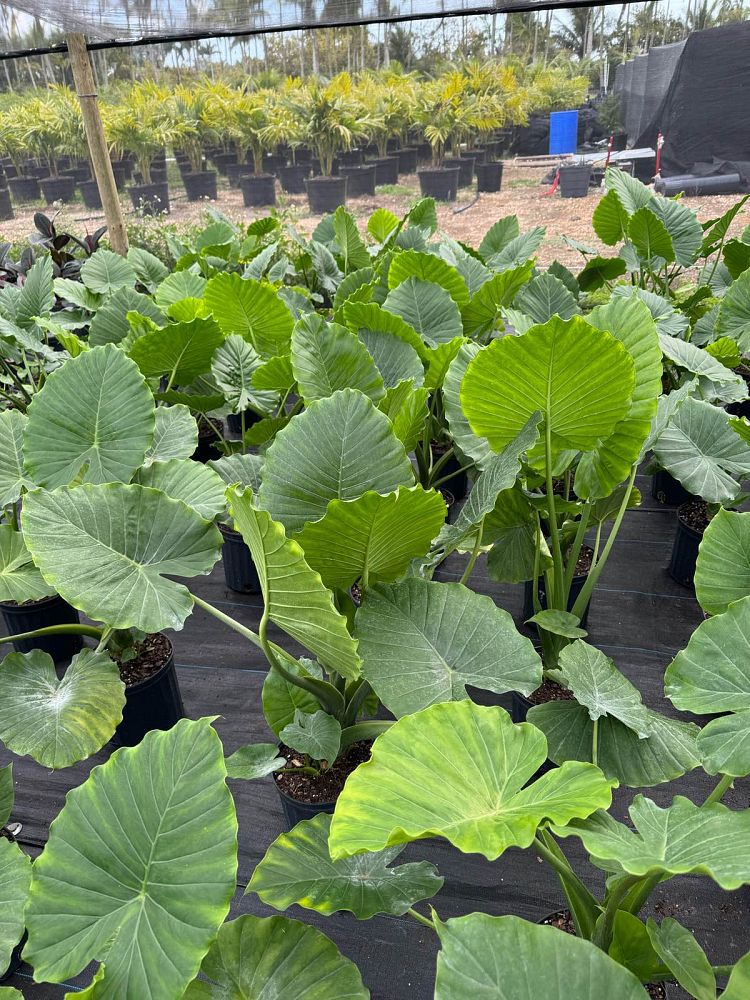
(705, 113)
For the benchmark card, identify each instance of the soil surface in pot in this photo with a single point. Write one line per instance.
(550, 691)
(325, 787)
(695, 515)
(563, 921)
(583, 565)
(151, 655)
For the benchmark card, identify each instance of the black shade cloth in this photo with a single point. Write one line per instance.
(705, 113)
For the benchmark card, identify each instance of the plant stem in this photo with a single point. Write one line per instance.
(603, 933)
(420, 919)
(104, 639)
(575, 549)
(723, 785)
(595, 743)
(475, 552)
(558, 599)
(452, 475)
(71, 629)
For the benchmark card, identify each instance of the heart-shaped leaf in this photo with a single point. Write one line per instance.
(599, 686)
(427, 267)
(297, 868)
(671, 749)
(499, 235)
(256, 958)
(254, 761)
(649, 236)
(58, 722)
(327, 357)
(104, 272)
(724, 745)
(374, 537)
(182, 479)
(180, 285)
(294, 595)
(7, 793)
(180, 351)
(610, 220)
(734, 312)
(722, 571)
(677, 840)
(470, 443)
(108, 550)
(422, 642)
(484, 956)
(233, 365)
(427, 308)
(684, 957)
(316, 734)
(110, 324)
(156, 876)
(338, 448)
(94, 416)
(241, 470)
(407, 409)
(12, 477)
(251, 309)
(580, 379)
(20, 580)
(544, 297)
(15, 877)
(281, 698)
(175, 434)
(458, 771)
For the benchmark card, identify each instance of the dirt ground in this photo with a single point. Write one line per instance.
(467, 220)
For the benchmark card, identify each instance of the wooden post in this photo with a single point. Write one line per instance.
(105, 178)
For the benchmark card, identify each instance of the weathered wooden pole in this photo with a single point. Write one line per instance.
(105, 178)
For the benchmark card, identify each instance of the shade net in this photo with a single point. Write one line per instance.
(133, 21)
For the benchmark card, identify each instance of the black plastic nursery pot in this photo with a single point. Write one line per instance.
(351, 158)
(440, 183)
(465, 166)
(6, 206)
(122, 172)
(200, 186)
(293, 178)
(478, 155)
(25, 188)
(407, 160)
(154, 703)
(528, 598)
(150, 199)
(295, 810)
(222, 161)
(325, 194)
(236, 171)
(687, 540)
(458, 484)
(574, 181)
(90, 194)
(42, 614)
(239, 569)
(668, 490)
(360, 180)
(78, 174)
(489, 176)
(386, 169)
(235, 420)
(424, 152)
(258, 189)
(58, 189)
(208, 435)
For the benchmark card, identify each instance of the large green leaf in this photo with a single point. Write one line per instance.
(282, 698)
(297, 868)
(338, 448)
(352, 250)
(511, 528)
(233, 365)
(610, 220)
(544, 297)
(15, 877)
(739, 980)
(630, 322)
(580, 379)
(499, 474)
(153, 878)
(427, 308)
(724, 745)
(94, 418)
(458, 771)
(722, 571)
(396, 360)
(712, 673)
(255, 761)
(177, 286)
(315, 734)
(699, 362)
(243, 470)
(260, 958)
(680, 839)
(149, 270)
(181, 351)
(511, 959)
(671, 748)
(632, 194)
(374, 537)
(105, 271)
(327, 357)
(110, 324)
(7, 794)
(369, 317)
(499, 235)
(684, 957)
(426, 267)
(58, 722)
(407, 409)
(20, 580)
(599, 686)
(470, 443)
(649, 236)
(12, 477)
(175, 434)
(699, 448)
(36, 296)
(685, 231)
(182, 479)
(253, 310)
(517, 251)
(422, 642)
(108, 550)
(481, 314)
(294, 596)
(381, 224)
(734, 312)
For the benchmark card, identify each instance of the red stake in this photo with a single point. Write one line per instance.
(659, 144)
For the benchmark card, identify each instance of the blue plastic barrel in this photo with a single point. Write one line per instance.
(563, 132)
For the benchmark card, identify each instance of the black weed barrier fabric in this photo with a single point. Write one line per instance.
(639, 616)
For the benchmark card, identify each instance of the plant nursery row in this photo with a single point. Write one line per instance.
(331, 419)
(327, 139)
